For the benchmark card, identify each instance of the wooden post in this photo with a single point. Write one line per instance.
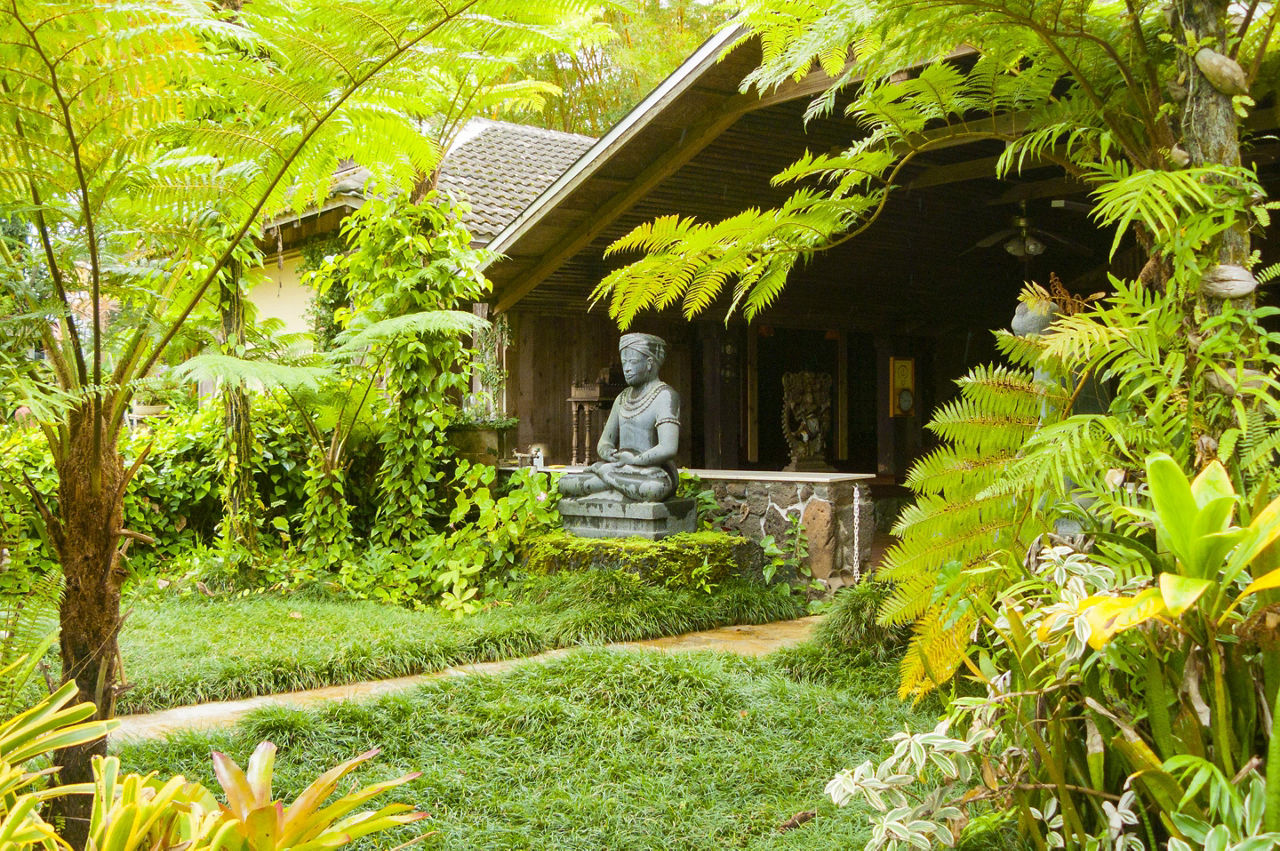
(708, 411)
(753, 395)
(886, 444)
(842, 396)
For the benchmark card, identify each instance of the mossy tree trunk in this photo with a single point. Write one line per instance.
(1210, 131)
(1210, 127)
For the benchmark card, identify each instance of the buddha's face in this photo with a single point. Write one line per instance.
(637, 367)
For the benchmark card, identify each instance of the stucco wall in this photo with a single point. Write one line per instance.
(279, 294)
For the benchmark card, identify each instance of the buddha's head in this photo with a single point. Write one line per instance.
(642, 355)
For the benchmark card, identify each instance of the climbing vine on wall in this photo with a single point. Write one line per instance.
(331, 296)
(403, 258)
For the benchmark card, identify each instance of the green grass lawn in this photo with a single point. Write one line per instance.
(191, 649)
(599, 750)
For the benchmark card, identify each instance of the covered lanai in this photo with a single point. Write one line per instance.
(918, 292)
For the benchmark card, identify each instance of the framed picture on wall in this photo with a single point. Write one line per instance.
(902, 387)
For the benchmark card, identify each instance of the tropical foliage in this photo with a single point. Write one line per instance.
(405, 259)
(130, 811)
(616, 58)
(1058, 550)
(140, 145)
(1125, 693)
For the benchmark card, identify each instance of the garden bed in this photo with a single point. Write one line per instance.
(192, 649)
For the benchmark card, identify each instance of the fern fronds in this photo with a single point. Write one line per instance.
(947, 469)
(27, 622)
(938, 647)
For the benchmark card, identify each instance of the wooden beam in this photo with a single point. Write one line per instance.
(698, 137)
(1039, 189)
(978, 169)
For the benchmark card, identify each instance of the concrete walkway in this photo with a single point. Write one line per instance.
(755, 640)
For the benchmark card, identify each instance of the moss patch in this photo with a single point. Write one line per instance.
(689, 560)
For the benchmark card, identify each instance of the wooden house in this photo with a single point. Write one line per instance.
(907, 305)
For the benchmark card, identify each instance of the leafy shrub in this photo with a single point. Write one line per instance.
(487, 525)
(710, 514)
(852, 627)
(175, 496)
(403, 259)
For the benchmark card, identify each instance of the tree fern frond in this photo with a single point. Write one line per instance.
(424, 323)
(28, 624)
(965, 423)
(234, 370)
(947, 469)
(937, 649)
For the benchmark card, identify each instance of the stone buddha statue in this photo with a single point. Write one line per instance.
(638, 446)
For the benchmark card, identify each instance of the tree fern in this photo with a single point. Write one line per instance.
(142, 144)
(960, 517)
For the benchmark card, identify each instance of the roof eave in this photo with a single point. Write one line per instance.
(672, 87)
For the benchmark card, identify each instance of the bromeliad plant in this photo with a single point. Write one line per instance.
(131, 811)
(1129, 690)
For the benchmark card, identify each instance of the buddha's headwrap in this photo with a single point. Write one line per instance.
(647, 344)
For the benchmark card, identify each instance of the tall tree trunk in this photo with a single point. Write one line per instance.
(1211, 136)
(239, 496)
(90, 505)
(1210, 128)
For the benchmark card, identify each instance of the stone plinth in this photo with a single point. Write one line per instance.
(608, 517)
(834, 509)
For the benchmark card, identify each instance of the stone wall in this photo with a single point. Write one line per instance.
(835, 513)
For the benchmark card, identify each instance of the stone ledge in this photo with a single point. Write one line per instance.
(592, 517)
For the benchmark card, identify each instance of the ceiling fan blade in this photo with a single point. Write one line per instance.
(1067, 204)
(1070, 245)
(995, 238)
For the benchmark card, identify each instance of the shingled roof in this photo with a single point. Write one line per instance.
(496, 167)
(499, 168)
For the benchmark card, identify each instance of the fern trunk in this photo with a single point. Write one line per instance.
(239, 496)
(1211, 136)
(90, 505)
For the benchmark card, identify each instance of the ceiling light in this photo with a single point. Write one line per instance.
(1024, 246)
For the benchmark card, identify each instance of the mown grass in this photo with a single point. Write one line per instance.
(599, 750)
(183, 650)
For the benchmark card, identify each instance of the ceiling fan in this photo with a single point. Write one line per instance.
(1023, 241)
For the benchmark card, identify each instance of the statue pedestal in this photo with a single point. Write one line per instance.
(609, 517)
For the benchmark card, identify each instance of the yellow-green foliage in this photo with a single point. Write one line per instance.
(961, 519)
(689, 560)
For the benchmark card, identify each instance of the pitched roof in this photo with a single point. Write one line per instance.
(499, 168)
(495, 166)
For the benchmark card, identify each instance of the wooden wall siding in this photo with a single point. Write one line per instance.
(550, 352)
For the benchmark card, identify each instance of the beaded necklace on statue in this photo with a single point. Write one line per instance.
(631, 407)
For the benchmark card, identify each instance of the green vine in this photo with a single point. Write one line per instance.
(401, 259)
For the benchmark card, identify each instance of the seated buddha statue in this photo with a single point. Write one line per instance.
(638, 446)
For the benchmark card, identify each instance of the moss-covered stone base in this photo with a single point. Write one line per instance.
(689, 560)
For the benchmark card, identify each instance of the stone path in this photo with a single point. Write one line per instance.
(756, 640)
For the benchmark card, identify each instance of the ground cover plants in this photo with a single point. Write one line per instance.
(601, 749)
(190, 649)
